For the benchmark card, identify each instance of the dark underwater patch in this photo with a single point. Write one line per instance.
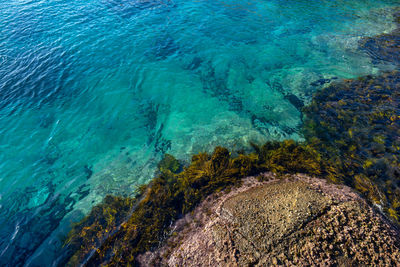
(161, 145)
(30, 227)
(294, 100)
(149, 110)
(51, 153)
(163, 48)
(194, 64)
(385, 47)
(215, 85)
(46, 120)
(88, 171)
(322, 81)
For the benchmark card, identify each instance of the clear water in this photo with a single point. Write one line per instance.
(93, 93)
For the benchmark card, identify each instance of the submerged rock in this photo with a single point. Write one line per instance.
(355, 125)
(294, 100)
(351, 130)
(384, 47)
(294, 221)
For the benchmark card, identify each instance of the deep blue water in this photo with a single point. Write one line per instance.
(93, 93)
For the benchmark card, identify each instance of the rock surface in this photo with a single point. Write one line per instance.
(297, 220)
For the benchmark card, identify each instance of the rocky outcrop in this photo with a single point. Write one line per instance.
(297, 220)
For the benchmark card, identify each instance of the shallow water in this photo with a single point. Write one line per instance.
(93, 93)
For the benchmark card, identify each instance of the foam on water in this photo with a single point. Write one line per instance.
(93, 93)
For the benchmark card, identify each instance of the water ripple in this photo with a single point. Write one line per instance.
(92, 93)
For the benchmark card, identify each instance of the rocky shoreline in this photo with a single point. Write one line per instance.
(215, 212)
(297, 220)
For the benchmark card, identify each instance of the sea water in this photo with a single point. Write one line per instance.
(94, 93)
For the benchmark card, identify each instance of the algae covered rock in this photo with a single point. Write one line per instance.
(120, 228)
(104, 219)
(351, 131)
(355, 126)
(294, 221)
(169, 164)
(384, 47)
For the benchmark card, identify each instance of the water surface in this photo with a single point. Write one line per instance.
(93, 93)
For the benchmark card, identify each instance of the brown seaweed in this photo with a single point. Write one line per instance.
(352, 136)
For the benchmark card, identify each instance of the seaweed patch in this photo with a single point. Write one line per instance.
(171, 195)
(384, 47)
(352, 134)
(352, 137)
(355, 125)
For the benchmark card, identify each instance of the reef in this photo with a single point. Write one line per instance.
(97, 238)
(355, 125)
(384, 47)
(295, 221)
(352, 137)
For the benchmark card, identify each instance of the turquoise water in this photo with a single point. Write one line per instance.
(93, 93)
